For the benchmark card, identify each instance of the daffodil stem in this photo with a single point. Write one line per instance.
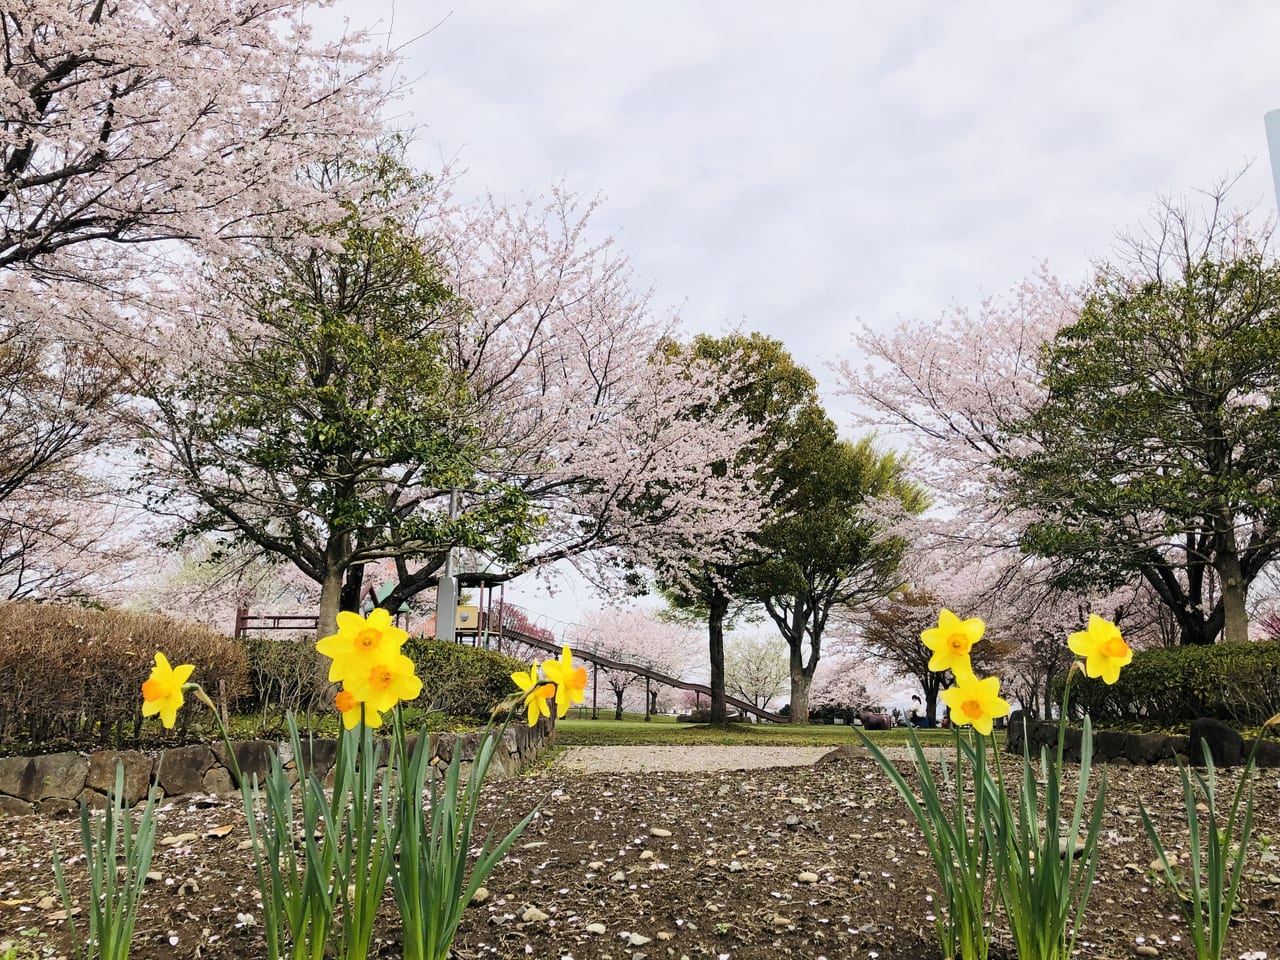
(1063, 717)
(200, 694)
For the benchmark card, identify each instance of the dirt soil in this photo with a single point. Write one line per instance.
(653, 865)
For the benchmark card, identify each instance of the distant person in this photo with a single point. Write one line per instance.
(916, 713)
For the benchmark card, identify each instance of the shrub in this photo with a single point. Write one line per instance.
(74, 674)
(831, 712)
(459, 679)
(1233, 682)
(285, 674)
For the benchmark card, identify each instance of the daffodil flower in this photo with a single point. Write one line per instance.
(360, 643)
(975, 702)
(536, 694)
(349, 707)
(162, 691)
(951, 641)
(385, 684)
(570, 681)
(1103, 648)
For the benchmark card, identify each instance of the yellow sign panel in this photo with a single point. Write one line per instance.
(468, 619)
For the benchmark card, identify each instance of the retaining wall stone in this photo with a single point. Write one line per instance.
(37, 778)
(56, 784)
(1227, 746)
(138, 768)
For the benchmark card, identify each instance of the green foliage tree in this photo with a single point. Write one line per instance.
(775, 395)
(332, 431)
(1156, 451)
(829, 546)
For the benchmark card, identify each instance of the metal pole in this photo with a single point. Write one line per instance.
(595, 685)
(447, 587)
(1272, 123)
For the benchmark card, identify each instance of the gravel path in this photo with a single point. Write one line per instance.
(698, 759)
(683, 759)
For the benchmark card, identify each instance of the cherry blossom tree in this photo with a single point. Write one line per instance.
(580, 397)
(132, 129)
(57, 401)
(773, 403)
(136, 138)
(952, 392)
(209, 580)
(756, 668)
(443, 378)
(952, 388)
(634, 635)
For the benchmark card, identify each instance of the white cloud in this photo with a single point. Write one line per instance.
(794, 167)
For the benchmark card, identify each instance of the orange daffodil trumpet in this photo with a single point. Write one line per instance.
(353, 711)
(536, 694)
(162, 691)
(570, 681)
(366, 660)
(975, 702)
(951, 641)
(1103, 648)
(564, 681)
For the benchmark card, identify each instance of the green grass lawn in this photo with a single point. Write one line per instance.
(663, 731)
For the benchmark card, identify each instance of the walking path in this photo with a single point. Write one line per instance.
(696, 759)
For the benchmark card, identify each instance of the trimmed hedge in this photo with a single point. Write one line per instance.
(1234, 682)
(75, 674)
(462, 680)
(285, 674)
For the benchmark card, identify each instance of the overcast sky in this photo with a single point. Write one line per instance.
(796, 167)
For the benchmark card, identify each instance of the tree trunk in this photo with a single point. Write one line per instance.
(717, 610)
(330, 600)
(1196, 632)
(800, 683)
(931, 688)
(617, 709)
(801, 676)
(1234, 589)
(352, 585)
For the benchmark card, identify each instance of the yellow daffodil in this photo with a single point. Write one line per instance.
(162, 691)
(570, 681)
(951, 641)
(1103, 648)
(536, 694)
(384, 684)
(349, 707)
(975, 702)
(360, 643)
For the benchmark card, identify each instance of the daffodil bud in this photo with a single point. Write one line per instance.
(198, 692)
